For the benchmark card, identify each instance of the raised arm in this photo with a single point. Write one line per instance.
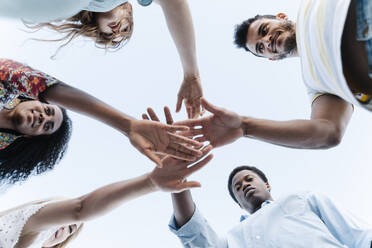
(170, 178)
(179, 20)
(148, 137)
(329, 118)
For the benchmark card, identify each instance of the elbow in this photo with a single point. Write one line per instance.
(333, 138)
(77, 210)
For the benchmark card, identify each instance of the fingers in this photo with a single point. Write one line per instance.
(210, 107)
(199, 165)
(145, 117)
(201, 139)
(191, 123)
(152, 114)
(174, 138)
(185, 149)
(175, 128)
(180, 155)
(153, 157)
(179, 103)
(191, 132)
(168, 115)
(188, 185)
(206, 149)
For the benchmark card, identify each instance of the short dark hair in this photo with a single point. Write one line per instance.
(241, 31)
(238, 169)
(35, 154)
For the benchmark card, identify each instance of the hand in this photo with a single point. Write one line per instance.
(152, 138)
(220, 128)
(172, 177)
(190, 91)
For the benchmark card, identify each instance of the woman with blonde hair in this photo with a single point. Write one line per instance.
(110, 24)
(54, 223)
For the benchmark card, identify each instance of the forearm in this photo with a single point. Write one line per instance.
(111, 196)
(309, 134)
(183, 207)
(81, 102)
(179, 21)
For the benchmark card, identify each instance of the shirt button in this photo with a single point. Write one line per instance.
(258, 237)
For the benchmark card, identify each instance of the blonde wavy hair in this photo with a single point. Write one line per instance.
(85, 24)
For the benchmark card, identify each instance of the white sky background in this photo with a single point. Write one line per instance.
(147, 72)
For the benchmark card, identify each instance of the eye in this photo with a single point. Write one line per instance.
(237, 188)
(47, 126)
(48, 111)
(264, 31)
(261, 48)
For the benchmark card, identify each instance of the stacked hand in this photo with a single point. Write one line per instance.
(172, 176)
(220, 128)
(152, 138)
(190, 91)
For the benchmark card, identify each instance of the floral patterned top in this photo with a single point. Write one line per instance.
(17, 79)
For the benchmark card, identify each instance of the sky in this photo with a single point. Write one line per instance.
(147, 73)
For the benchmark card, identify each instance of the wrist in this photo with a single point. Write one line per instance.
(246, 127)
(191, 76)
(152, 186)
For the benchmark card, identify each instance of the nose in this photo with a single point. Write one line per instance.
(41, 118)
(245, 185)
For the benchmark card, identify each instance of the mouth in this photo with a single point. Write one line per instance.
(114, 25)
(274, 43)
(248, 191)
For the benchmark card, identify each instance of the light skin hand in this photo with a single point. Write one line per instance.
(220, 128)
(172, 176)
(191, 93)
(152, 138)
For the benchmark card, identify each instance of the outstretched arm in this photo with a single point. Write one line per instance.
(179, 20)
(148, 137)
(329, 118)
(170, 178)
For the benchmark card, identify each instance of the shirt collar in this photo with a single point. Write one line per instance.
(245, 216)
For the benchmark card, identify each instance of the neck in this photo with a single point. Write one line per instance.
(258, 206)
(6, 120)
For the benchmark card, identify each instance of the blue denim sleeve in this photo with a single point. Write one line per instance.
(197, 233)
(343, 226)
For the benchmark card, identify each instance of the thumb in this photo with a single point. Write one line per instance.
(153, 157)
(210, 107)
(179, 103)
(188, 185)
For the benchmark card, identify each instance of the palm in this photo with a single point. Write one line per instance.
(152, 138)
(190, 91)
(172, 177)
(223, 128)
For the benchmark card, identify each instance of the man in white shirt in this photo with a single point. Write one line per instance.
(299, 220)
(331, 38)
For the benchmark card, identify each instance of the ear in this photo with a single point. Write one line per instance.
(282, 16)
(268, 187)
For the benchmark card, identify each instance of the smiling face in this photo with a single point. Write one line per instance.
(36, 118)
(250, 190)
(272, 38)
(61, 235)
(117, 23)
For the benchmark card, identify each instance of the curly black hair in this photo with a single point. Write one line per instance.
(241, 31)
(34, 155)
(240, 168)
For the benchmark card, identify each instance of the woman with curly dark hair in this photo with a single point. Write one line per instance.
(34, 132)
(109, 23)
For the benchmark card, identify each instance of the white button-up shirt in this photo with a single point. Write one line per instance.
(299, 220)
